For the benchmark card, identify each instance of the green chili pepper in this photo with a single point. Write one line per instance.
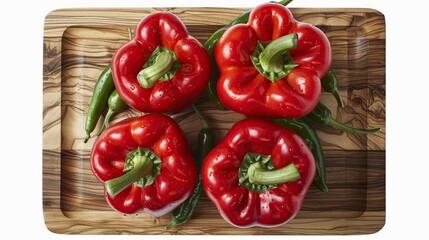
(205, 139)
(210, 45)
(184, 211)
(330, 84)
(304, 129)
(104, 93)
(103, 88)
(321, 114)
(116, 104)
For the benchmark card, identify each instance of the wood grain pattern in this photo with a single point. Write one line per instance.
(78, 43)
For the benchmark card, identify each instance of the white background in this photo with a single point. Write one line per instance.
(21, 114)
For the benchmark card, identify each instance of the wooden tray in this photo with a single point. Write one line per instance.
(78, 44)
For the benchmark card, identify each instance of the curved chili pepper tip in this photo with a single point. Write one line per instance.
(322, 114)
(338, 125)
(171, 225)
(86, 138)
(337, 97)
(330, 84)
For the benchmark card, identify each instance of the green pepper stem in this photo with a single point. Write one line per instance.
(285, 2)
(333, 123)
(142, 167)
(330, 84)
(102, 128)
(203, 120)
(171, 224)
(270, 58)
(148, 76)
(337, 97)
(257, 174)
(322, 115)
(106, 122)
(130, 33)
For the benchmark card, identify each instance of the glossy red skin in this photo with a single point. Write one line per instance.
(240, 206)
(164, 137)
(161, 29)
(243, 89)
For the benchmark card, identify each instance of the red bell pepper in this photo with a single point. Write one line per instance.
(259, 174)
(271, 66)
(163, 68)
(145, 164)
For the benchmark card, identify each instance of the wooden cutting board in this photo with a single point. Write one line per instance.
(79, 43)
